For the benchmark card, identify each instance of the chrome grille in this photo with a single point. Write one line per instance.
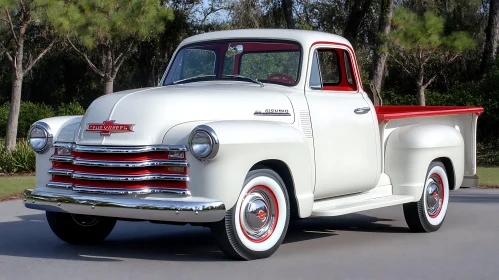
(121, 170)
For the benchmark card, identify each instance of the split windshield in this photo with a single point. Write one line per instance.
(259, 62)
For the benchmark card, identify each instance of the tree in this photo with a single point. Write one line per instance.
(492, 38)
(418, 46)
(24, 21)
(287, 7)
(354, 20)
(380, 52)
(105, 33)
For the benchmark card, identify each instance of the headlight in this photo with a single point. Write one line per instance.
(40, 137)
(203, 143)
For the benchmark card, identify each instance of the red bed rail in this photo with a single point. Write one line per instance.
(386, 113)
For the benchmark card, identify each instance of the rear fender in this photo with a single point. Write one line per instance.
(410, 150)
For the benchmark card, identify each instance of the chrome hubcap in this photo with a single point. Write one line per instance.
(434, 196)
(85, 221)
(258, 214)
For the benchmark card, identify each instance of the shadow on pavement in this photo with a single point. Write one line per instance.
(31, 237)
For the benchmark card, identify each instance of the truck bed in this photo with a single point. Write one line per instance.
(462, 118)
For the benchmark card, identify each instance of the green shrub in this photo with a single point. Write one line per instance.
(32, 112)
(22, 159)
(70, 109)
(28, 114)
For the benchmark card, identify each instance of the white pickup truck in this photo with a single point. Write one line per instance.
(247, 130)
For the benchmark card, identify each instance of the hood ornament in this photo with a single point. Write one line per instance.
(107, 127)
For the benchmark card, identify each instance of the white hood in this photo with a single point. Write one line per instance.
(153, 111)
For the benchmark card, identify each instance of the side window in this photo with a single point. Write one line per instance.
(315, 73)
(348, 68)
(329, 66)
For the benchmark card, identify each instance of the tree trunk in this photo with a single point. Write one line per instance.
(287, 6)
(492, 38)
(421, 88)
(108, 86)
(377, 73)
(15, 104)
(357, 13)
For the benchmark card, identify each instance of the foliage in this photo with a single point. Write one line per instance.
(21, 159)
(31, 112)
(418, 45)
(28, 114)
(95, 22)
(70, 109)
(110, 30)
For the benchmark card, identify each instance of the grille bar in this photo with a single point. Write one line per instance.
(60, 172)
(149, 177)
(131, 150)
(146, 190)
(131, 164)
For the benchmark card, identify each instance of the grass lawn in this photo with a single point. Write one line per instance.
(12, 187)
(489, 176)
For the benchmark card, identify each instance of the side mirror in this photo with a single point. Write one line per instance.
(233, 51)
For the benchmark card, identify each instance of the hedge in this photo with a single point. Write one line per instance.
(32, 112)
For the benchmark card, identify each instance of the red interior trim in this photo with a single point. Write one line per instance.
(386, 113)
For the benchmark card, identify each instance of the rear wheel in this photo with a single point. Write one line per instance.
(428, 214)
(255, 227)
(80, 229)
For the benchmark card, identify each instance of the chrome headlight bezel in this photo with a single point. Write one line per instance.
(48, 136)
(214, 143)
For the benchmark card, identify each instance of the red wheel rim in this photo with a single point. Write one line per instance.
(435, 195)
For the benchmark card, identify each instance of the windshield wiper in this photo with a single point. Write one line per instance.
(246, 78)
(193, 78)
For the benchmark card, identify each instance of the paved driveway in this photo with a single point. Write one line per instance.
(368, 245)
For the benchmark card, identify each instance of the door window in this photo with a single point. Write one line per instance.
(332, 70)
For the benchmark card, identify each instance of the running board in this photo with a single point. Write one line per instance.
(336, 207)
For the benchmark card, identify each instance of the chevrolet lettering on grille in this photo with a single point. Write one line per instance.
(108, 127)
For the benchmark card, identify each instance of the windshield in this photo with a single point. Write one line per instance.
(275, 62)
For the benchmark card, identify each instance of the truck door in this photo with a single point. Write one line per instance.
(343, 123)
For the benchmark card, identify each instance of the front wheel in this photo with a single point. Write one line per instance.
(80, 229)
(428, 214)
(255, 227)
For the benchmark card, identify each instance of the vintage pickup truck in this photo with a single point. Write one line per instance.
(247, 130)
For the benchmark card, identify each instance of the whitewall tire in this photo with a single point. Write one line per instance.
(256, 226)
(428, 214)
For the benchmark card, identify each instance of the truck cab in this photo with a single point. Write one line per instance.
(247, 130)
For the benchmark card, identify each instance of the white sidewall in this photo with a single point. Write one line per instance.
(281, 221)
(441, 172)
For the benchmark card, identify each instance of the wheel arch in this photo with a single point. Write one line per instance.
(284, 172)
(449, 169)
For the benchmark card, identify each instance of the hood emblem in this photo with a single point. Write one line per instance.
(108, 127)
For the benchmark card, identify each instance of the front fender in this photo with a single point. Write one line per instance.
(63, 129)
(242, 145)
(411, 149)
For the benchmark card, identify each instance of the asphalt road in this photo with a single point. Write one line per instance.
(368, 245)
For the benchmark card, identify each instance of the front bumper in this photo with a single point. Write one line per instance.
(172, 209)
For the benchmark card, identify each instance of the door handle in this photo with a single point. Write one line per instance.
(362, 110)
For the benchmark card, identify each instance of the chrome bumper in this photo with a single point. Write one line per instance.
(182, 209)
